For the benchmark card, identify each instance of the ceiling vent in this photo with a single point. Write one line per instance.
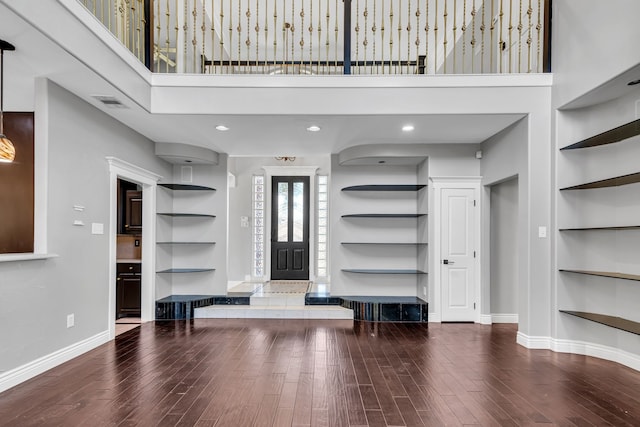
(109, 101)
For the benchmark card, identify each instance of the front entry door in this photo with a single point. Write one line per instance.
(458, 253)
(290, 228)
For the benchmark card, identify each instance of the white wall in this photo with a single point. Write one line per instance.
(504, 248)
(38, 295)
(505, 156)
(593, 41)
(240, 204)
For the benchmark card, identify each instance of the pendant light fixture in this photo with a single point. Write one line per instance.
(7, 150)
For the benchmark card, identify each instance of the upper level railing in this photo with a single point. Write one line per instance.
(309, 37)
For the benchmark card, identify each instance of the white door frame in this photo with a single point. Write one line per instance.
(271, 171)
(438, 184)
(148, 180)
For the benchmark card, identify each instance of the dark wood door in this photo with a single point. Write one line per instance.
(290, 228)
(133, 212)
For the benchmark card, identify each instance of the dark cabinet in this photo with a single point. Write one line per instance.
(133, 212)
(128, 290)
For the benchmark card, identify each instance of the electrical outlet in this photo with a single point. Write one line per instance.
(71, 321)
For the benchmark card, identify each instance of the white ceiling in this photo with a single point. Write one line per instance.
(257, 134)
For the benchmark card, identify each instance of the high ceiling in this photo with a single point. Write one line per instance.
(40, 54)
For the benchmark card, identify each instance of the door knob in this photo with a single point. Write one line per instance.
(446, 261)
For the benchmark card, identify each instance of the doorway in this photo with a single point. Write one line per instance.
(458, 255)
(290, 228)
(128, 256)
(456, 249)
(119, 169)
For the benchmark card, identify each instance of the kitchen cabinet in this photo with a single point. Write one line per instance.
(128, 290)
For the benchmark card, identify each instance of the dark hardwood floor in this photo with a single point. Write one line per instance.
(252, 372)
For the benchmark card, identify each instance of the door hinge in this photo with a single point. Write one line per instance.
(474, 254)
(474, 305)
(474, 203)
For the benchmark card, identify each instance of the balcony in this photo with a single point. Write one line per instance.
(331, 37)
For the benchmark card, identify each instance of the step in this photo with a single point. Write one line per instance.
(272, 312)
(278, 300)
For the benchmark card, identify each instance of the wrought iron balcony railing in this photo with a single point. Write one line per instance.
(309, 36)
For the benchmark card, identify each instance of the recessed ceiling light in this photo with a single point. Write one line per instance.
(407, 128)
(634, 82)
(222, 128)
(313, 128)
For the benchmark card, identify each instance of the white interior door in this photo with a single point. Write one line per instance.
(458, 255)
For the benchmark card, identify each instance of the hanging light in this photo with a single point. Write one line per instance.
(7, 150)
(286, 158)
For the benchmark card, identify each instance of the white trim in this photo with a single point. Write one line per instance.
(149, 180)
(25, 257)
(542, 343)
(145, 176)
(36, 367)
(504, 318)
(358, 81)
(271, 171)
(444, 180)
(454, 182)
(290, 170)
(486, 319)
(581, 347)
(41, 166)
(434, 318)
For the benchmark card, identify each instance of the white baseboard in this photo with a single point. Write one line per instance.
(29, 370)
(504, 318)
(581, 347)
(485, 319)
(232, 283)
(537, 343)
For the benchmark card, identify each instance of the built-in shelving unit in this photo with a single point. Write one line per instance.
(617, 227)
(185, 216)
(376, 187)
(384, 243)
(382, 271)
(387, 188)
(374, 215)
(611, 274)
(185, 243)
(612, 136)
(609, 182)
(612, 321)
(186, 270)
(187, 187)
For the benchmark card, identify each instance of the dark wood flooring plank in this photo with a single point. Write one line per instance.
(246, 372)
(266, 411)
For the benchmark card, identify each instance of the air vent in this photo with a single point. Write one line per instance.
(109, 101)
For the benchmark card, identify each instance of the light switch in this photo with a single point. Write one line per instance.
(244, 221)
(97, 228)
(542, 231)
